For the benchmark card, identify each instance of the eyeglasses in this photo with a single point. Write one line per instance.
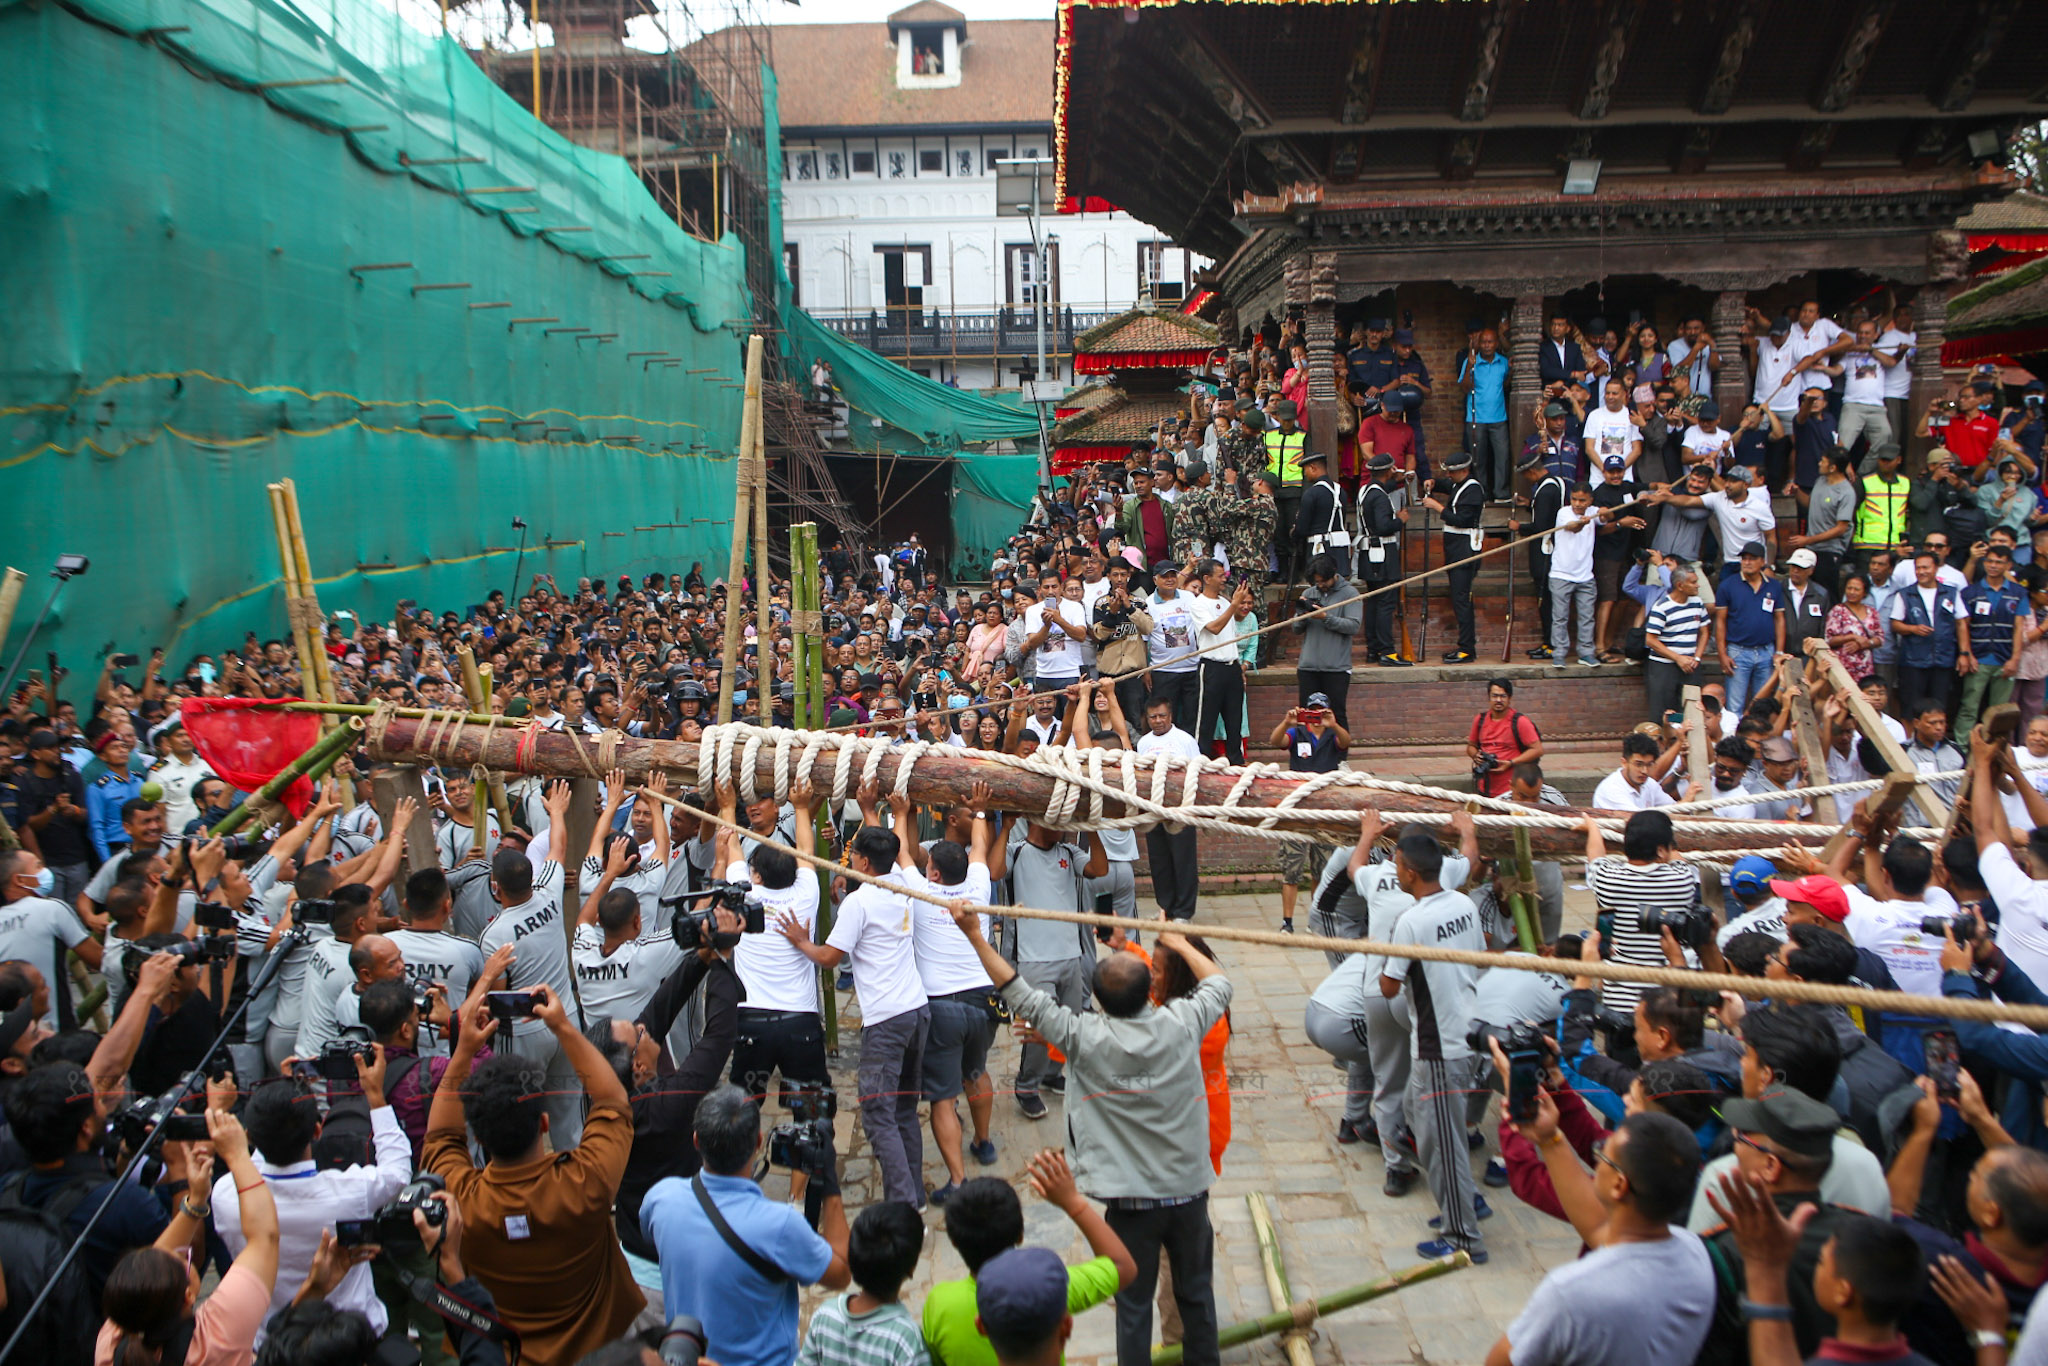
(1746, 1141)
(1600, 1155)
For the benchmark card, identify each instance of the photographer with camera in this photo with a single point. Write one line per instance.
(284, 1121)
(1316, 742)
(1500, 737)
(731, 1257)
(781, 1029)
(539, 1222)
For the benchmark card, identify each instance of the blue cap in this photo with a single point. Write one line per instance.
(1021, 1296)
(1751, 876)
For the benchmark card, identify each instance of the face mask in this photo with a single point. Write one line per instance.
(205, 672)
(1009, 592)
(46, 882)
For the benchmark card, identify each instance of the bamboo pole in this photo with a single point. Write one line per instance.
(1522, 902)
(480, 701)
(750, 414)
(764, 622)
(313, 764)
(1250, 1330)
(1294, 1342)
(10, 597)
(323, 673)
(281, 522)
(806, 602)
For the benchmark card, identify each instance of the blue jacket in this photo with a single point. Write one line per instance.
(1992, 613)
(1937, 651)
(103, 799)
(2023, 1057)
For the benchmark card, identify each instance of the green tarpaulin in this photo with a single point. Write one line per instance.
(246, 240)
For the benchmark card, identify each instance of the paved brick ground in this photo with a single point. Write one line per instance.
(1335, 1227)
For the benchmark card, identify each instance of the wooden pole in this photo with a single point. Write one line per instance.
(806, 603)
(281, 520)
(764, 621)
(387, 785)
(945, 775)
(323, 674)
(1873, 728)
(10, 597)
(1699, 760)
(1250, 1330)
(1526, 908)
(736, 564)
(1294, 1342)
(1806, 730)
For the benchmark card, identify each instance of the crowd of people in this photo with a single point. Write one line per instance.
(452, 1111)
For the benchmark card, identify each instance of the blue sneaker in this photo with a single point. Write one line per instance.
(945, 1193)
(1496, 1173)
(1479, 1207)
(1442, 1247)
(984, 1152)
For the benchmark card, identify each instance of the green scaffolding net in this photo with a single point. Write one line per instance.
(250, 239)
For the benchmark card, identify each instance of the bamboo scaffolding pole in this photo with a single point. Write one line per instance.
(323, 673)
(742, 517)
(1294, 1341)
(1308, 1311)
(806, 602)
(281, 522)
(764, 620)
(479, 695)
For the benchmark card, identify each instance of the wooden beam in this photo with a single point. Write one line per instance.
(1873, 728)
(1619, 30)
(1881, 806)
(1699, 762)
(1362, 77)
(1987, 31)
(1736, 42)
(1806, 731)
(1489, 50)
(1877, 107)
(387, 785)
(1852, 55)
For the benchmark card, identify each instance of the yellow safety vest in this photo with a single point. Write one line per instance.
(1283, 453)
(1881, 516)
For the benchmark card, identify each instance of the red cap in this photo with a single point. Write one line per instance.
(107, 737)
(1819, 891)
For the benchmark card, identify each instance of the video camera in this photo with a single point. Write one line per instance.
(1963, 927)
(213, 948)
(314, 911)
(1520, 1036)
(131, 1127)
(1689, 925)
(683, 1343)
(693, 929)
(804, 1142)
(213, 915)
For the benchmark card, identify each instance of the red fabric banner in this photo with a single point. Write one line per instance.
(1095, 364)
(248, 742)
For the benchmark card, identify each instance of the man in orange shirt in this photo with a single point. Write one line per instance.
(538, 1224)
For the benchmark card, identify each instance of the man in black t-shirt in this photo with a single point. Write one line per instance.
(53, 806)
(1315, 743)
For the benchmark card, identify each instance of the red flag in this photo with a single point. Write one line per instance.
(248, 742)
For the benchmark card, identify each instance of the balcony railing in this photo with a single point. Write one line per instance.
(915, 333)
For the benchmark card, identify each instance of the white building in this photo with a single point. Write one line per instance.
(891, 133)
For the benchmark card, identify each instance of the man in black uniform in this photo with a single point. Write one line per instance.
(1319, 526)
(1546, 500)
(1379, 529)
(1460, 499)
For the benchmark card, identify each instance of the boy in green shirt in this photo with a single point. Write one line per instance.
(984, 1218)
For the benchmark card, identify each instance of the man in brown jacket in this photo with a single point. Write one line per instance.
(537, 1224)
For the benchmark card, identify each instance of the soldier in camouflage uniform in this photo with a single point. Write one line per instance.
(1245, 448)
(1201, 515)
(1252, 523)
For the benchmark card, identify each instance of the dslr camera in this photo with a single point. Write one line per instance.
(391, 1226)
(1519, 1037)
(1485, 764)
(1689, 925)
(1963, 927)
(314, 911)
(337, 1061)
(213, 948)
(131, 1127)
(695, 928)
(804, 1142)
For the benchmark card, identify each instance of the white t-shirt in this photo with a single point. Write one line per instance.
(1220, 646)
(1571, 554)
(875, 930)
(2022, 911)
(1614, 794)
(775, 974)
(1060, 656)
(1898, 381)
(37, 929)
(621, 985)
(1609, 433)
(1803, 343)
(1175, 744)
(1708, 447)
(1891, 930)
(438, 956)
(1768, 918)
(1904, 576)
(1173, 634)
(946, 962)
(1862, 378)
(1773, 362)
(1738, 523)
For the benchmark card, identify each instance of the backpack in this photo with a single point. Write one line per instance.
(37, 1237)
(347, 1137)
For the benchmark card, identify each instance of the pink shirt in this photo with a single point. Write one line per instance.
(224, 1331)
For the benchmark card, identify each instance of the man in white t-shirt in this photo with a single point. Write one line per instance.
(1864, 368)
(1633, 786)
(873, 929)
(1773, 358)
(1813, 341)
(1741, 511)
(1170, 854)
(1706, 442)
(1571, 577)
(781, 1028)
(1611, 430)
(1901, 343)
(1055, 628)
(618, 966)
(1170, 645)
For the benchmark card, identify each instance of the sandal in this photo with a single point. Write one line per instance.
(1613, 657)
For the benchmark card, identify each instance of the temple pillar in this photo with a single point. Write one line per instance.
(1323, 362)
(1948, 263)
(1731, 373)
(1525, 387)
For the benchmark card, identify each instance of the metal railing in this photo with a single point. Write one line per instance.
(905, 333)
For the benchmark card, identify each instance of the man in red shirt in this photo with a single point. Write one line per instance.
(1387, 433)
(1973, 429)
(1505, 735)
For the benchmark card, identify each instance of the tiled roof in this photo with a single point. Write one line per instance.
(844, 76)
(2017, 212)
(1145, 330)
(927, 12)
(1122, 420)
(2016, 299)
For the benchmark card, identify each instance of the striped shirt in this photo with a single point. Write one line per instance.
(1678, 625)
(885, 1336)
(1624, 888)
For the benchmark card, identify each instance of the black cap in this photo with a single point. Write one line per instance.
(1456, 460)
(1708, 411)
(1382, 461)
(1755, 548)
(1021, 1295)
(1313, 458)
(1791, 1119)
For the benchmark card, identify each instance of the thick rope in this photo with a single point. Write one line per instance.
(1755, 988)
